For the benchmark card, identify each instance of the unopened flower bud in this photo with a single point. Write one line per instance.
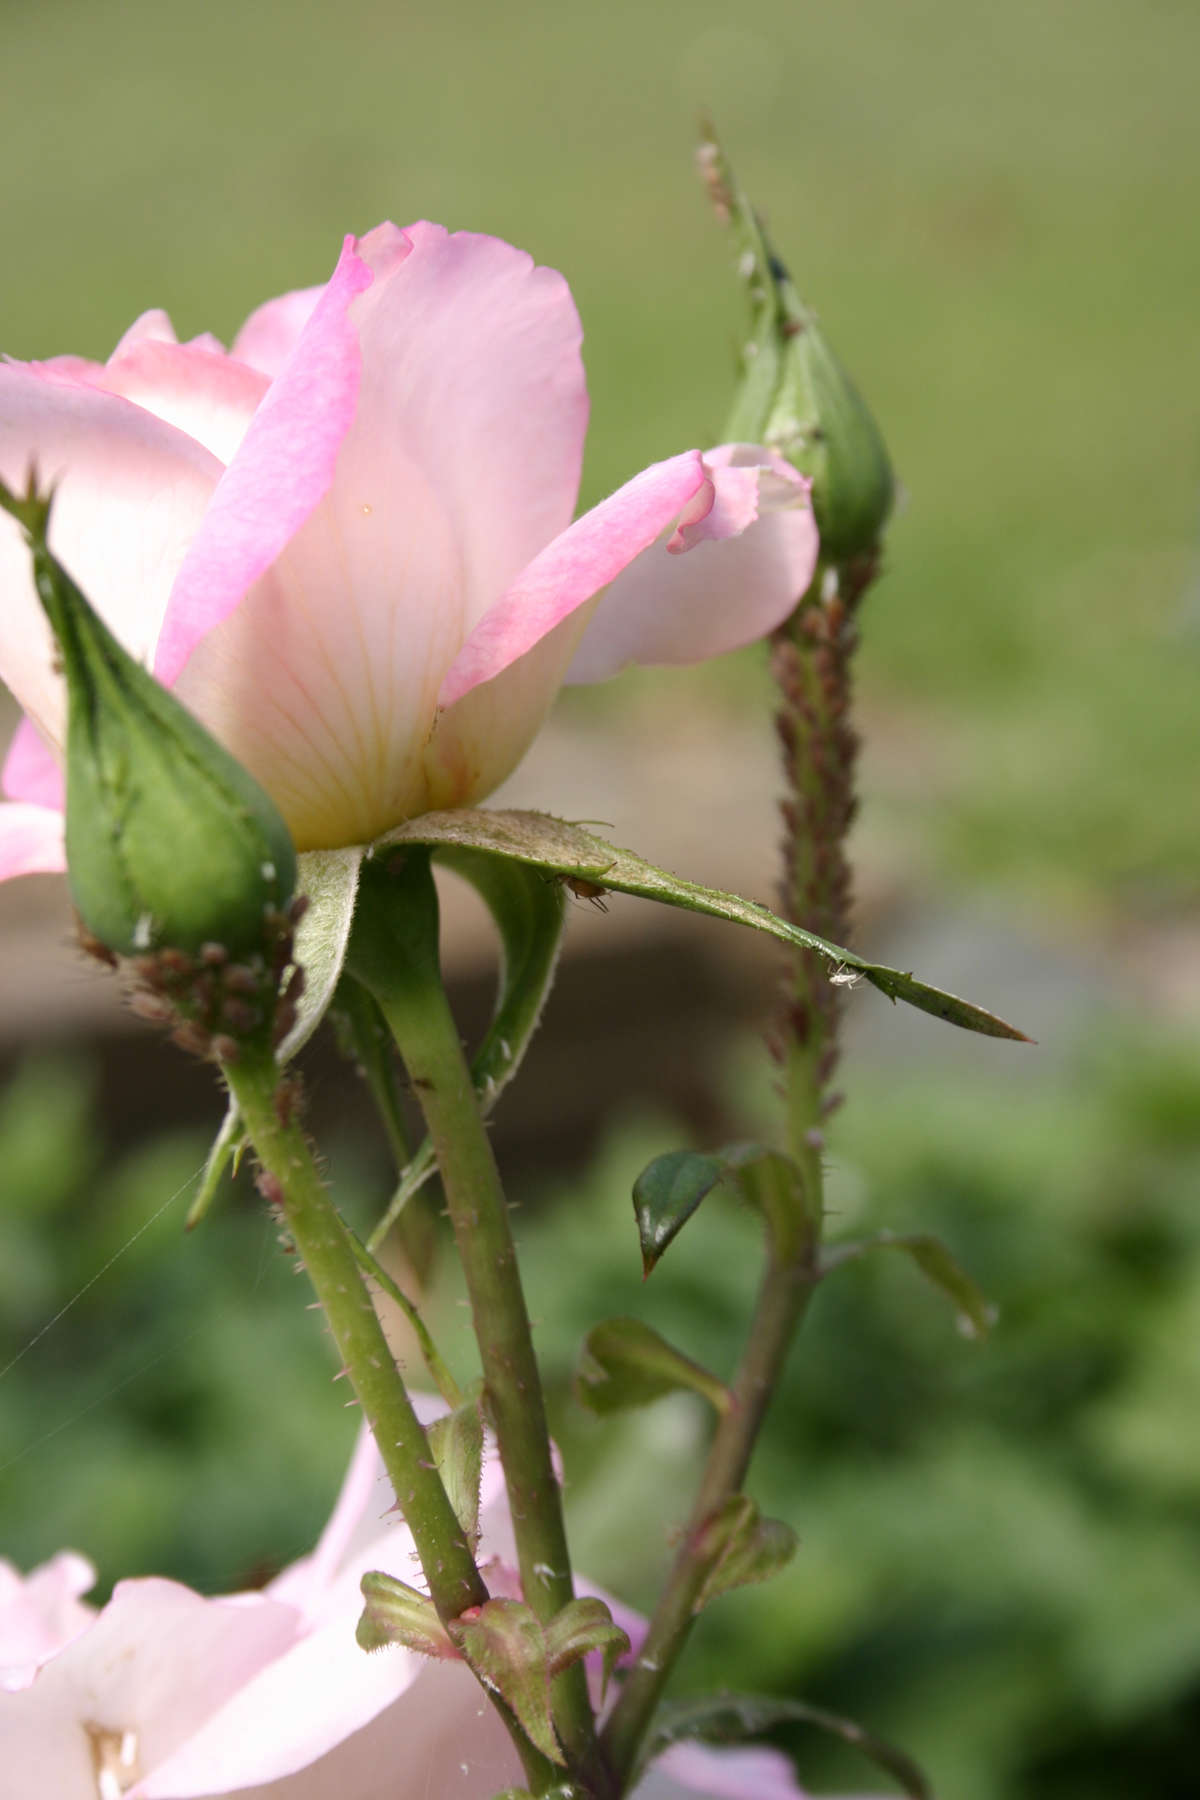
(171, 844)
(795, 395)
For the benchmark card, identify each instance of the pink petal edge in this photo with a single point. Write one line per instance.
(576, 565)
(281, 471)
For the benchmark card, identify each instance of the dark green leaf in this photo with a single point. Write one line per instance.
(568, 850)
(975, 1316)
(666, 1194)
(733, 1718)
(741, 1547)
(625, 1363)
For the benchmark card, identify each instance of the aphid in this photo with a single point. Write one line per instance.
(844, 977)
(591, 891)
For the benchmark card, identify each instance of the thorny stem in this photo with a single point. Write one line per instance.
(290, 1182)
(394, 952)
(783, 1296)
(811, 659)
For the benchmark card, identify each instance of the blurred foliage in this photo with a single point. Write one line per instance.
(166, 1405)
(1000, 1558)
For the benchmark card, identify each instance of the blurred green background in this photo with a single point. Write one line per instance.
(997, 212)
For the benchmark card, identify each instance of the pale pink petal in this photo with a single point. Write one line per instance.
(284, 466)
(31, 771)
(31, 840)
(754, 556)
(471, 354)
(318, 1692)
(130, 493)
(751, 1774)
(155, 1663)
(194, 387)
(441, 1740)
(40, 1613)
(151, 327)
(273, 330)
(580, 561)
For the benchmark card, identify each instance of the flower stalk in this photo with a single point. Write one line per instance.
(394, 953)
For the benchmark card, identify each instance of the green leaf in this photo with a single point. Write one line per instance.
(742, 1548)
(625, 1363)
(398, 1614)
(733, 1718)
(582, 1626)
(530, 916)
(667, 1193)
(457, 1444)
(568, 850)
(975, 1316)
(504, 1643)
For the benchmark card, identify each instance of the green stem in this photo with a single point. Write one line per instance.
(323, 1244)
(394, 952)
(782, 1300)
(291, 1182)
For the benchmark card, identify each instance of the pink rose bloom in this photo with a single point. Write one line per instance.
(165, 1695)
(347, 544)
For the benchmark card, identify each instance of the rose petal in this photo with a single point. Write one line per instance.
(194, 387)
(40, 1614)
(31, 840)
(471, 356)
(156, 1662)
(581, 560)
(130, 494)
(31, 771)
(736, 1774)
(282, 469)
(756, 549)
(273, 330)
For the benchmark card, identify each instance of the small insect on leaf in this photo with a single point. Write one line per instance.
(844, 977)
(590, 891)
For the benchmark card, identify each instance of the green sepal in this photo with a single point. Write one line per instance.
(227, 1150)
(529, 914)
(329, 881)
(505, 1645)
(974, 1314)
(735, 1718)
(740, 1548)
(585, 1625)
(795, 396)
(560, 848)
(456, 1441)
(395, 1613)
(625, 1363)
(171, 843)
